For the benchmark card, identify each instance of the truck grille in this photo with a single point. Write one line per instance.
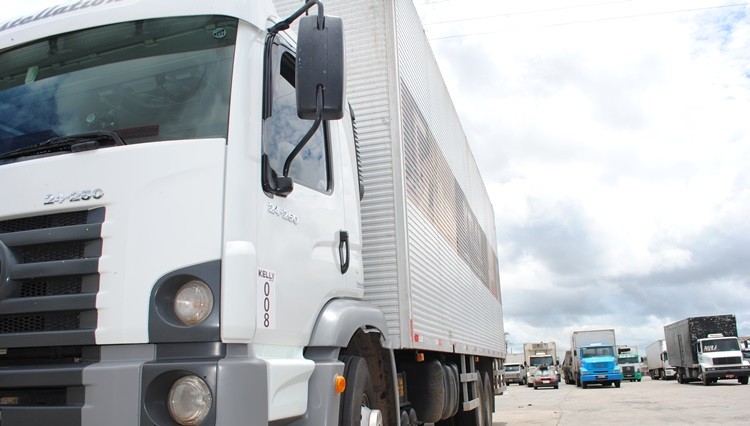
(728, 360)
(52, 262)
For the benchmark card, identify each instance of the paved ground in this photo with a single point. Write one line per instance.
(649, 402)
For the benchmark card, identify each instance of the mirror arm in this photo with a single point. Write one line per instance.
(284, 25)
(308, 135)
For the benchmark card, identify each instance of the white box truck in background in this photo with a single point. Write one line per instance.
(173, 226)
(515, 370)
(658, 361)
(540, 354)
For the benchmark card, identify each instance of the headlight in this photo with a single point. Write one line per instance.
(193, 302)
(189, 400)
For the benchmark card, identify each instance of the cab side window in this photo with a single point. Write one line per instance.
(283, 130)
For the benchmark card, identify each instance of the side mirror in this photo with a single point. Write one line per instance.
(320, 69)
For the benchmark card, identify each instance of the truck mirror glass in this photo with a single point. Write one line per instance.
(320, 68)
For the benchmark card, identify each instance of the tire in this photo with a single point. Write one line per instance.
(359, 391)
(405, 418)
(705, 380)
(488, 396)
(451, 391)
(584, 385)
(617, 383)
(557, 387)
(743, 380)
(679, 377)
(578, 380)
(662, 375)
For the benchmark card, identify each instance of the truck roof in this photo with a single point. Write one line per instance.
(76, 15)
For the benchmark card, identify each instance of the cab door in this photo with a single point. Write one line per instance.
(301, 247)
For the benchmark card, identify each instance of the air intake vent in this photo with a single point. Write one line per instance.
(53, 263)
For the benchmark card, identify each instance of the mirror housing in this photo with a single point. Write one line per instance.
(320, 63)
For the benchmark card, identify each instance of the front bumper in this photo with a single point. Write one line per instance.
(733, 373)
(601, 377)
(128, 380)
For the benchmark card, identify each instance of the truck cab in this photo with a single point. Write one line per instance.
(598, 365)
(630, 363)
(719, 357)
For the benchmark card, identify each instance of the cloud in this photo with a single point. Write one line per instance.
(615, 152)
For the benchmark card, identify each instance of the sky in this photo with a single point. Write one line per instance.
(614, 140)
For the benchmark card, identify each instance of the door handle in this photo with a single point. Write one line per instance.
(344, 255)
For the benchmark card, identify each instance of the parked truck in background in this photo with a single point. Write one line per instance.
(540, 355)
(172, 226)
(594, 359)
(706, 349)
(515, 370)
(566, 368)
(629, 362)
(658, 361)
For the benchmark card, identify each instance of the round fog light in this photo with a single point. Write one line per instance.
(189, 401)
(193, 302)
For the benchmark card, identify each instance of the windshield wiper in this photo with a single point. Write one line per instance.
(73, 143)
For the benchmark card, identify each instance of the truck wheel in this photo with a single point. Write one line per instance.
(679, 377)
(705, 380)
(617, 383)
(488, 396)
(661, 375)
(578, 380)
(742, 380)
(358, 399)
(584, 385)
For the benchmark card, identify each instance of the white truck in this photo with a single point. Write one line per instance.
(706, 349)
(594, 360)
(178, 246)
(540, 354)
(658, 361)
(515, 370)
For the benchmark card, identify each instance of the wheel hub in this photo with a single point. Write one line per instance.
(371, 417)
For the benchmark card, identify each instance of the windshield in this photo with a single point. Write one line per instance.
(512, 368)
(597, 351)
(152, 80)
(628, 360)
(542, 360)
(720, 345)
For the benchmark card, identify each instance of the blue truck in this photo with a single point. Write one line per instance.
(594, 358)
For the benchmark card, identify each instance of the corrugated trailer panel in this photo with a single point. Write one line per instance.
(428, 225)
(368, 30)
(448, 204)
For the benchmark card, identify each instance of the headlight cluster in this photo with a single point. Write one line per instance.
(189, 400)
(193, 302)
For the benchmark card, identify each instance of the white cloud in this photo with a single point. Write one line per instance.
(614, 151)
